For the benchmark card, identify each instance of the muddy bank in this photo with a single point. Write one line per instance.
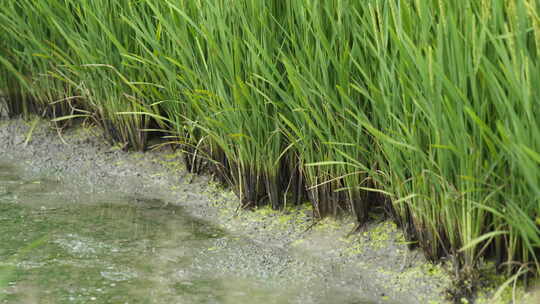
(374, 266)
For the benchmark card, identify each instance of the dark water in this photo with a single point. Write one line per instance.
(115, 250)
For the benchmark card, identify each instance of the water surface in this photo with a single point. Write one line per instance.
(57, 248)
(120, 250)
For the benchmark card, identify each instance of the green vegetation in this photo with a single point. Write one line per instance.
(425, 108)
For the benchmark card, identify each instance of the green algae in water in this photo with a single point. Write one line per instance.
(105, 252)
(124, 250)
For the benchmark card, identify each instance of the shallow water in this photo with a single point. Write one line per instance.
(57, 249)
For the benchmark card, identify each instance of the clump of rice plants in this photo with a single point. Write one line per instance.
(63, 52)
(449, 95)
(423, 108)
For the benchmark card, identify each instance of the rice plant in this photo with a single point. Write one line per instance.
(425, 108)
